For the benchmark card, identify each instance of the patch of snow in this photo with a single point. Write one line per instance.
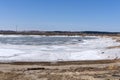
(9, 52)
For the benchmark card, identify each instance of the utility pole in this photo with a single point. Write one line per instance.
(16, 28)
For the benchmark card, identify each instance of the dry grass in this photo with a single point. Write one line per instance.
(99, 71)
(112, 47)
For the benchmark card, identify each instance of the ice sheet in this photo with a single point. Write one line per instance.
(88, 49)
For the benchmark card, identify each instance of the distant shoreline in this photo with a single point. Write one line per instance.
(49, 33)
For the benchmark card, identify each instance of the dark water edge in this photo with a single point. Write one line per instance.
(42, 40)
(62, 62)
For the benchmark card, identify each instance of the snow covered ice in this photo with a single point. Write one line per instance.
(56, 48)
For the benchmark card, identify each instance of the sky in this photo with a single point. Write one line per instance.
(60, 15)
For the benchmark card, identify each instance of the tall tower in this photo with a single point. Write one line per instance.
(16, 27)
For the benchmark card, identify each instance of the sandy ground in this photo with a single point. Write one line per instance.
(79, 70)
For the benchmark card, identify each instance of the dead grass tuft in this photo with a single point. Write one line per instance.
(112, 67)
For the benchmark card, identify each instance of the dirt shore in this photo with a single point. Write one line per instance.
(80, 70)
(117, 38)
(69, 70)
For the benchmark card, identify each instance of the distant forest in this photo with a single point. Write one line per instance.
(48, 33)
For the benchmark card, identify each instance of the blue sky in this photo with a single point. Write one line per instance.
(65, 15)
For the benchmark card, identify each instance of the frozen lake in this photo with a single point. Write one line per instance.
(55, 48)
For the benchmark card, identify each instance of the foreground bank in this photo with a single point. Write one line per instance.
(72, 70)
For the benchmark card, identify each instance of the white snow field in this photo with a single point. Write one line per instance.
(58, 48)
